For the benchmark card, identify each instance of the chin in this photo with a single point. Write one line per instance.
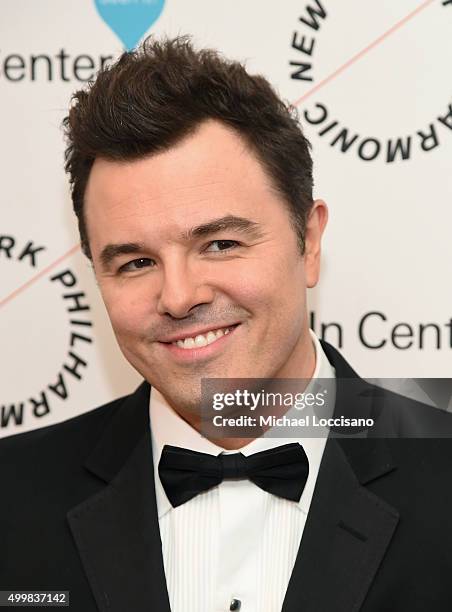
(188, 401)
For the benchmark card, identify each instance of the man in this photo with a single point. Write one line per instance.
(192, 185)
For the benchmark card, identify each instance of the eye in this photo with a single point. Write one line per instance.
(223, 242)
(136, 264)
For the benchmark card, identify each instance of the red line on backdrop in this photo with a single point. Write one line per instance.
(32, 280)
(320, 84)
(363, 52)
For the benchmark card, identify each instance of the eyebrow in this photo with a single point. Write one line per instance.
(111, 251)
(228, 222)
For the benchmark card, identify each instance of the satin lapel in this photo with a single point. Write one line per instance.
(117, 531)
(347, 532)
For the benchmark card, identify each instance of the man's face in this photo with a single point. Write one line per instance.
(159, 285)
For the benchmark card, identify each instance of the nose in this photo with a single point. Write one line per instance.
(182, 289)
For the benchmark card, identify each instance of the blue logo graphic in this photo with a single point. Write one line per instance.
(129, 19)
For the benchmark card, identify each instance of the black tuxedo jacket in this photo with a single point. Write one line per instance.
(78, 512)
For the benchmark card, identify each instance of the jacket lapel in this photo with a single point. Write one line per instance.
(116, 530)
(348, 528)
(347, 532)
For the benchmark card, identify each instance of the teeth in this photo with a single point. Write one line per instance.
(211, 337)
(202, 340)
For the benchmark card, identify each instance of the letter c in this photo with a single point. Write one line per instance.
(361, 329)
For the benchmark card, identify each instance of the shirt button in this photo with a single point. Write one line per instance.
(236, 604)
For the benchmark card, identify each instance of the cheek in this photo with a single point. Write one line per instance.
(126, 312)
(250, 293)
(270, 286)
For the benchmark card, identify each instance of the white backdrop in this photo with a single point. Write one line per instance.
(363, 74)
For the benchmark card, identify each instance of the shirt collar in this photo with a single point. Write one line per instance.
(167, 427)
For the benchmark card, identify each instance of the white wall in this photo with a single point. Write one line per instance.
(380, 69)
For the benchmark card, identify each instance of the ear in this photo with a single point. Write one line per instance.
(315, 225)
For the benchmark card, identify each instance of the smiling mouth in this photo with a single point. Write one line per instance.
(202, 340)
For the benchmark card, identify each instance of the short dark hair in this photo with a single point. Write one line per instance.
(152, 97)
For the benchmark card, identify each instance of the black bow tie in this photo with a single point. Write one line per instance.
(184, 473)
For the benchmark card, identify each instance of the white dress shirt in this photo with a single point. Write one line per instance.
(234, 541)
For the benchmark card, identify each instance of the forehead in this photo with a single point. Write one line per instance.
(211, 171)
